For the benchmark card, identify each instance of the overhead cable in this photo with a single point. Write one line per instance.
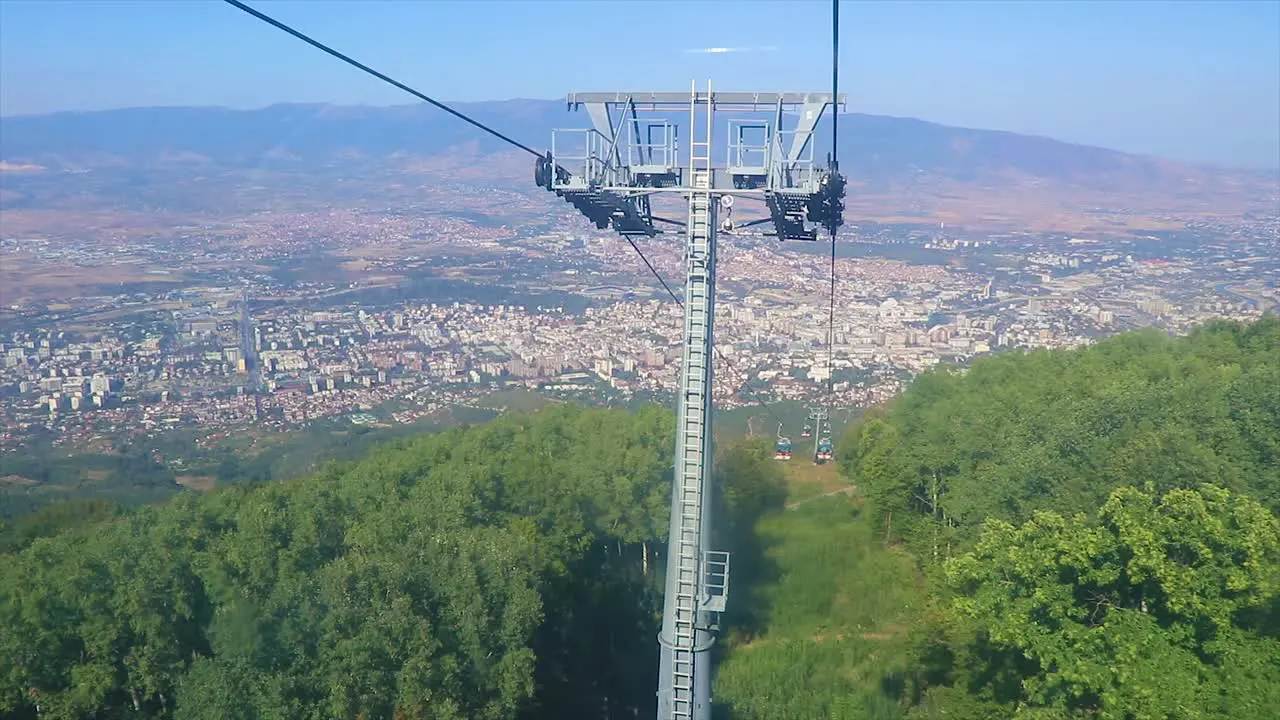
(357, 64)
(835, 168)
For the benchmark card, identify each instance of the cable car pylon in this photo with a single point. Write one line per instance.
(633, 151)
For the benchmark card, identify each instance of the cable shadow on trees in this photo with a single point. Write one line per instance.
(596, 647)
(749, 486)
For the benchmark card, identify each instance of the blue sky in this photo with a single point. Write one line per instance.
(1189, 80)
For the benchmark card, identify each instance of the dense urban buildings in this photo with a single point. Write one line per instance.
(388, 319)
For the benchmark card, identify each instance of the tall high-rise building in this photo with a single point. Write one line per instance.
(100, 384)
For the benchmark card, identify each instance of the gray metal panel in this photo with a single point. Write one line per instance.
(804, 184)
(804, 129)
(603, 124)
(600, 119)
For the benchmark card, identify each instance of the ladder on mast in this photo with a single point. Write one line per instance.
(694, 409)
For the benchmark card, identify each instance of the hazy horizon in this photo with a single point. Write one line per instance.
(571, 121)
(1189, 81)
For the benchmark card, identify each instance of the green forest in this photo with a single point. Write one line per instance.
(1047, 535)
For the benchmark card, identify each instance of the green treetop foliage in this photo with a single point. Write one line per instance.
(77, 515)
(469, 574)
(1058, 430)
(1149, 611)
(510, 570)
(1098, 527)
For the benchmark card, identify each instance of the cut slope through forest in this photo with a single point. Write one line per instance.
(835, 617)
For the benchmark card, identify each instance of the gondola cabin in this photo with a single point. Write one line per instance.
(782, 450)
(825, 450)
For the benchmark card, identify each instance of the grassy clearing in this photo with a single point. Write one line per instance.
(806, 481)
(514, 400)
(753, 420)
(830, 610)
(197, 482)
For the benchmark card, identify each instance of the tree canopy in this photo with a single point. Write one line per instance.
(1151, 610)
(1059, 430)
(468, 574)
(1097, 527)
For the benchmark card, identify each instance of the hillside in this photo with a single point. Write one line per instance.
(998, 440)
(1099, 528)
(899, 167)
(1066, 535)
(470, 574)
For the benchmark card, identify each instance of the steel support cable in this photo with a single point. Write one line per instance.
(835, 79)
(831, 325)
(835, 166)
(359, 65)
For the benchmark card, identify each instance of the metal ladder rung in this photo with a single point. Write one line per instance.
(687, 575)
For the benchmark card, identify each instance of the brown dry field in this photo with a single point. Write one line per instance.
(197, 482)
(393, 250)
(1010, 201)
(1001, 202)
(23, 278)
(54, 223)
(92, 323)
(386, 251)
(1004, 211)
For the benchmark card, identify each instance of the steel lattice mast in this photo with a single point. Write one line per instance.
(609, 172)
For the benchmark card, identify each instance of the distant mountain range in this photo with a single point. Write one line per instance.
(906, 158)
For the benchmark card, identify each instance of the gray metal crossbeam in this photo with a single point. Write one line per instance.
(723, 100)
